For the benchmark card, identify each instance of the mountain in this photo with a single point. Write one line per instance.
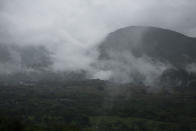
(135, 54)
(31, 64)
(164, 45)
(15, 58)
(146, 51)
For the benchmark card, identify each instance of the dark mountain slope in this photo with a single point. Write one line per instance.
(160, 44)
(147, 52)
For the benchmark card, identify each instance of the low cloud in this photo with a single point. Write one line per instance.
(71, 30)
(124, 67)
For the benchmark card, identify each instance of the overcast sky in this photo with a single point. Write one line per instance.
(72, 28)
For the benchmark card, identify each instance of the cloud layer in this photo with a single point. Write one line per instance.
(72, 29)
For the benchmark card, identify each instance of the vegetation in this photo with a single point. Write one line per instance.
(95, 105)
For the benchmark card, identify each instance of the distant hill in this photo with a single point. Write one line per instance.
(136, 43)
(164, 45)
(31, 64)
(16, 58)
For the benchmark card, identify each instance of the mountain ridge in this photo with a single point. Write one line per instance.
(131, 47)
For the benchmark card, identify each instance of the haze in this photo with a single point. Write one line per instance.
(72, 29)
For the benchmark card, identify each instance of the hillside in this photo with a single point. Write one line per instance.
(160, 44)
(146, 52)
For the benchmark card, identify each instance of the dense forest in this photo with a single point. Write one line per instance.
(95, 105)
